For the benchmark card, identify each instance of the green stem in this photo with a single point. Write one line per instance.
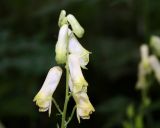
(70, 118)
(63, 123)
(144, 104)
(57, 106)
(67, 95)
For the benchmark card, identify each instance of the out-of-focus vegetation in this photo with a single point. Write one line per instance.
(114, 31)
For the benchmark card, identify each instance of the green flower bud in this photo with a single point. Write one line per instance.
(155, 44)
(76, 27)
(62, 18)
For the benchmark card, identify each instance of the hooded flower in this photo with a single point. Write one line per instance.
(155, 64)
(61, 46)
(44, 97)
(76, 27)
(84, 107)
(62, 18)
(76, 73)
(155, 44)
(144, 68)
(76, 48)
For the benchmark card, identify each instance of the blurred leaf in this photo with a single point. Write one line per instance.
(112, 57)
(114, 105)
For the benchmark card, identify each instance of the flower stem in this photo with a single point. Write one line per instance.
(57, 106)
(67, 95)
(70, 118)
(63, 122)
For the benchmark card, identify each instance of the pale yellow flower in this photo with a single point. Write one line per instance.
(76, 48)
(83, 104)
(76, 27)
(44, 97)
(76, 73)
(155, 64)
(61, 46)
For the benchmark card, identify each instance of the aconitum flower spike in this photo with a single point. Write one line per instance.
(76, 27)
(76, 74)
(44, 97)
(61, 46)
(76, 48)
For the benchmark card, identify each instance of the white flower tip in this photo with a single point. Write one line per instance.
(57, 68)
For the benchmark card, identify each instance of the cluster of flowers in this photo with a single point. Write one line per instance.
(149, 63)
(70, 52)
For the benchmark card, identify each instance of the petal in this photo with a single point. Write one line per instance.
(61, 46)
(84, 106)
(52, 80)
(44, 97)
(76, 48)
(76, 74)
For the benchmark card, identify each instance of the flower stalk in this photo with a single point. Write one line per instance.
(67, 97)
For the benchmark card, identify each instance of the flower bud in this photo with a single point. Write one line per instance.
(76, 27)
(62, 18)
(155, 44)
(76, 48)
(44, 97)
(76, 74)
(61, 46)
(155, 64)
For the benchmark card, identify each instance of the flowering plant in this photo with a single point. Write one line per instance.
(71, 53)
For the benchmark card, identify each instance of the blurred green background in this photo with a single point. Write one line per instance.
(114, 30)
